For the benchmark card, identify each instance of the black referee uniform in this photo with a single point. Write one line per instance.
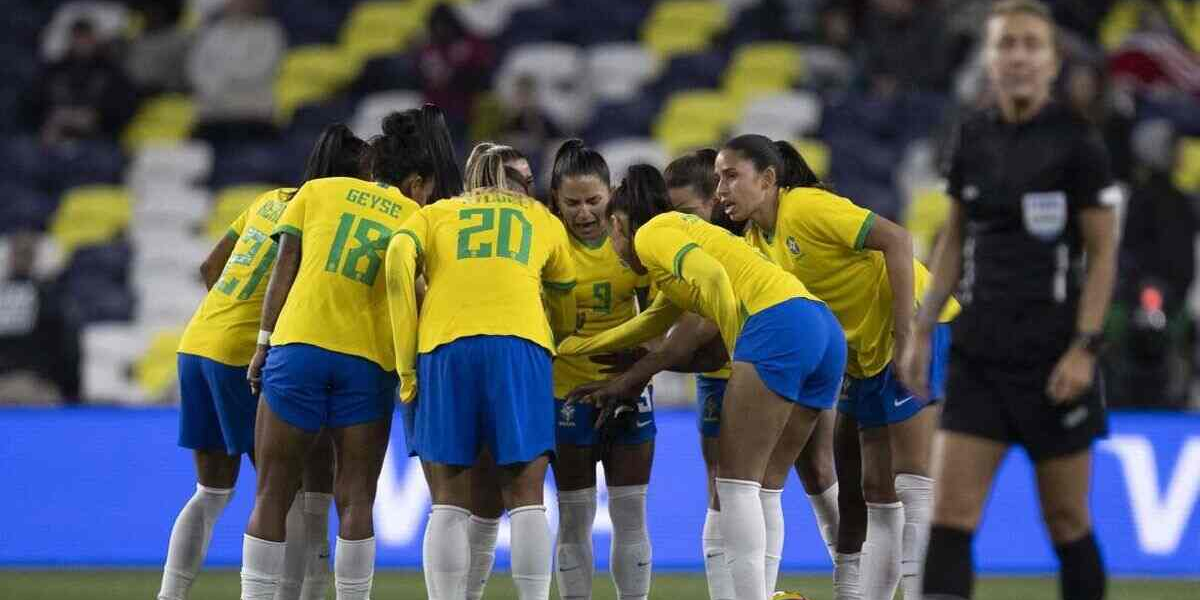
(1021, 187)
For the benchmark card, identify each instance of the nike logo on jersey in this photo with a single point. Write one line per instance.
(642, 424)
(902, 402)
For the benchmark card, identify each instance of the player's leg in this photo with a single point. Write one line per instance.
(486, 508)
(216, 472)
(306, 554)
(782, 459)
(444, 553)
(575, 476)
(912, 448)
(880, 565)
(1063, 486)
(627, 472)
(964, 466)
(711, 393)
(852, 509)
(522, 489)
(819, 478)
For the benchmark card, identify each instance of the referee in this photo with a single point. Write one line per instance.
(1030, 244)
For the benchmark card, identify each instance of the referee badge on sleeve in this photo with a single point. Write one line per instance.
(1045, 214)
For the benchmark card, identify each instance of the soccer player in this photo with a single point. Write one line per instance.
(330, 359)
(216, 418)
(1032, 198)
(608, 293)
(790, 350)
(857, 262)
(478, 365)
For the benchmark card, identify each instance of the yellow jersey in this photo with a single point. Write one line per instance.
(338, 301)
(487, 257)
(819, 237)
(605, 296)
(225, 326)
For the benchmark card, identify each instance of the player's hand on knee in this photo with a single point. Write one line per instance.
(254, 371)
(914, 366)
(1072, 375)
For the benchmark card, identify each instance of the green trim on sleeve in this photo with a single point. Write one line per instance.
(232, 234)
(412, 236)
(559, 286)
(288, 229)
(680, 255)
(861, 240)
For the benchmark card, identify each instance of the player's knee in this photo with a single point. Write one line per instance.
(1066, 523)
(878, 488)
(815, 475)
(957, 514)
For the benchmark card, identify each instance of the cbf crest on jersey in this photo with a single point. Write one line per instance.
(793, 246)
(567, 414)
(1045, 214)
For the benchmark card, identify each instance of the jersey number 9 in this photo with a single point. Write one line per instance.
(502, 239)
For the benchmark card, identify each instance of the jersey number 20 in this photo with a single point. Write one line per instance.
(503, 243)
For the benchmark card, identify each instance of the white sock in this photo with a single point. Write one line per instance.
(316, 528)
(745, 535)
(354, 568)
(530, 552)
(262, 565)
(825, 508)
(445, 552)
(880, 572)
(295, 552)
(720, 581)
(772, 507)
(481, 535)
(573, 555)
(189, 540)
(845, 576)
(916, 494)
(630, 554)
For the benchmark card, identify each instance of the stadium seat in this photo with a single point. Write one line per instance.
(171, 252)
(1187, 174)
(926, 212)
(163, 119)
(619, 71)
(109, 350)
(24, 207)
(745, 87)
(388, 72)
(110, 20)
(680, 26)
(154, 371)
(555, 69)
(310, 74)
(687, 71)
(90, 215)
(97, 299)
(249, 162)
(180, 163)
(769, 59)
(623, 153)
(694, 119)
(381, 27)
(230, 203)
(487, 18)
(608, 21)
(369, 115)
(306, 22)
(111, 260)
(627, 119)
(782, 116)
(167, 205)
(815, 153)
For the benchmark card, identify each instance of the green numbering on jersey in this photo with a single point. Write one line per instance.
(501, 241)
(372, 239)
(256, 241)
(602, 293)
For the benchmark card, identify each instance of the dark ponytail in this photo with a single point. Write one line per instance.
(574, 159)
(791, 170)
(642, 195)
(337, 153)
(416, 142)
(695, 170)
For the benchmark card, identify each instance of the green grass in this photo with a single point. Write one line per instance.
(405, 585)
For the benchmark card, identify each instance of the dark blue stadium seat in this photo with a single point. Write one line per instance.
(110, 261)
(95, 298)
(85, 162)
(626, 119)
(607, 21)
(551, 23)
(700, 70)
(253, 162)
(392, 72)
(314, 117)
(309, 22)
(25, 207)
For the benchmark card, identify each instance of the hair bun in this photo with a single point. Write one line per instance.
(400, 123)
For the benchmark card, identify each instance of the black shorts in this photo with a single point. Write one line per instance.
(1008, 404)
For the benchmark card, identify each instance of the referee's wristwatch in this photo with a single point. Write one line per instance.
(1091, 341)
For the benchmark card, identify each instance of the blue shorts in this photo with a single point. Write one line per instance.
(577, 423)
(408, 420)
(798, 349)
(312, 388)
(481, 390)
(710, 397)
(881, 400)
(217, 409)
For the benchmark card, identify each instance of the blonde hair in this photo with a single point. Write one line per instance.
(486, 156)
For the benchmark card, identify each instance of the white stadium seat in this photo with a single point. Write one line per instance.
(108, 351)
(782, 116)
(623, 153)
(618, 71)
(170, 206)
(184, 163)
(368, 118)
(555, 69)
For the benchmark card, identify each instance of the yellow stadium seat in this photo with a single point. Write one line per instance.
(312, 73)
(782, 58)
(924, 217)
(1187, 172)
(230, 203)
(678, 27)
(701, 107)
(90, 214)
(678, 137)
(162, 119)
(1120, 21)
(744, 87)
(155, 370)
(666, 42)
(815, 153)
(376, 28)
(690, 13)
(1186, 17)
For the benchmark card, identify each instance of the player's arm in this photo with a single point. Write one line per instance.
(685, 342)
(896, 245)
(670, 249)
(643, 327)
(558, 282)
(400, 265)
(283, 275)
(210, 269)
(945, 268)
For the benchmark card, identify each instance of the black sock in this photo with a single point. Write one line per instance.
(1082, 572)
(949, 572)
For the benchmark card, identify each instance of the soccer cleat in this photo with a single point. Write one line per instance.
(788, 596)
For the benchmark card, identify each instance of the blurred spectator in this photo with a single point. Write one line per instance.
(83, 95)
(1155, 61)
(39, 342)
(905, 42)
(526, 126)
(1083, 17)
(1110, 110)
(153, 59)
(455, 67)
(232, 71)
